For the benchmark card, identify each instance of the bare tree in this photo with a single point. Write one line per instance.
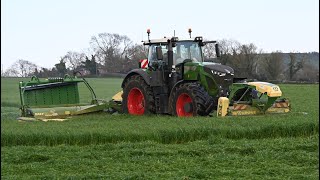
(249, 54)
(126, 44)
(11, 73)
(228, 48)
(273, 64)
(21, 68)
(294, 64)
(209, 51)
(244, 59)
(107, 46)
(308, 73)
(73, 59)
(111, 49)
(133, 55)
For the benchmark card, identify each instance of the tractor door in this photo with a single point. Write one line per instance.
(152, 56)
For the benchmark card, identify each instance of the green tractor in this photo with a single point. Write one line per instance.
(176, 80)
(173, 80)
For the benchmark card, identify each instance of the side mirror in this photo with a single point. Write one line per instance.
(159, 53)
(217, 50)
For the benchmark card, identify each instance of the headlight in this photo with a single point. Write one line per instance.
(218, 73)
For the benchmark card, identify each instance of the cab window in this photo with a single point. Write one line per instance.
(152, 56)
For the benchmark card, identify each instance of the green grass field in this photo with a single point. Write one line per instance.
(104, 146)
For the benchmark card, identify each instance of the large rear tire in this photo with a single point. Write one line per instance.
(137, 97)
(191, 99)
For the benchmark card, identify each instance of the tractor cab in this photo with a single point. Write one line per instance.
(189, 50)
(180, 50)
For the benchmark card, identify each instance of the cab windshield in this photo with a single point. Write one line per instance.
(187, 50)
(182, 51)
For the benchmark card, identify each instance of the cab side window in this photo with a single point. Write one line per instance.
(152, 53)
(152, 56)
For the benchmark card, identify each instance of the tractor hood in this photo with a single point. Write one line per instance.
(219, 69)
(222, 76)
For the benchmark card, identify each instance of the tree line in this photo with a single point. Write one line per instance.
(114, 53)
(253, 63)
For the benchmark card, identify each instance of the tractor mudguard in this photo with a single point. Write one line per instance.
(140, 72)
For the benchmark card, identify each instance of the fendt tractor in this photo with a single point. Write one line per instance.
(174, 79)
(177, 81)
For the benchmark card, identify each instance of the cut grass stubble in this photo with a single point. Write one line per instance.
(162, 129)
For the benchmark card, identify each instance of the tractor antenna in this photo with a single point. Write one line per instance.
(148, 31)
(141, 37)
(189, 30)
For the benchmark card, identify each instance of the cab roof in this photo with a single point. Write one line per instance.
(165, 40)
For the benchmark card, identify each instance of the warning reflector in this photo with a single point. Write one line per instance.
(239, 106)
(281, 105)
(144, 63)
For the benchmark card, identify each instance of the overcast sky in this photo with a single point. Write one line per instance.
(41, 31)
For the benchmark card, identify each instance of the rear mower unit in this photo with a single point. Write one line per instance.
(56, 98)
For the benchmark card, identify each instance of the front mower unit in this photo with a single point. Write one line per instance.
(56, 98)
(253, 98)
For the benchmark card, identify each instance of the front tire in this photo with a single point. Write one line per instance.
(137, 97)
(191, 99)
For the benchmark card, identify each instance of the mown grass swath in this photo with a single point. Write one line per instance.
(214, 158)
(161, 129)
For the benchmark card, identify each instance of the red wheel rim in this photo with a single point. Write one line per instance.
(182, 100)
(135, 102)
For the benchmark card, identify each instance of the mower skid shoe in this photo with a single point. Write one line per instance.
(280, 106)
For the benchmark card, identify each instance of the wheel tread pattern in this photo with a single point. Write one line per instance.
(137, 80)
(204, 102)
